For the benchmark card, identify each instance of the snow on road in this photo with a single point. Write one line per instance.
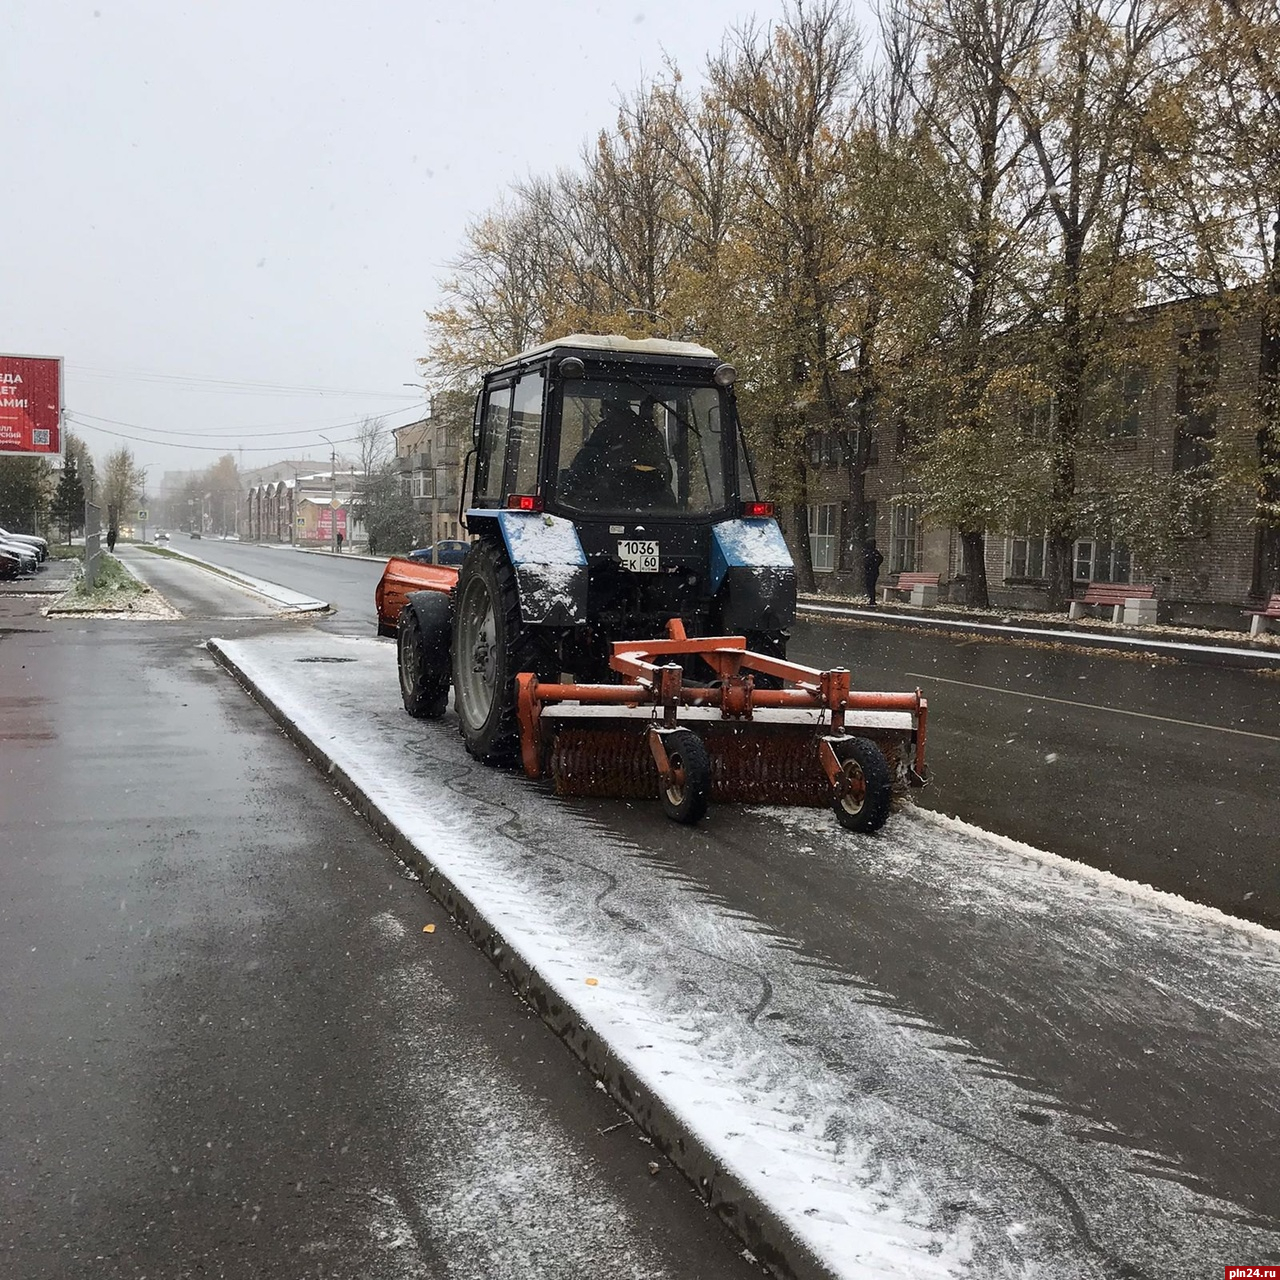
(886, 1143)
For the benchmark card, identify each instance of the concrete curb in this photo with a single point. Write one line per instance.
(755, 1223)
(1205, 652)
(290, 601)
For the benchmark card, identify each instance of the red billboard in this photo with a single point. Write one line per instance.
(324, 522)
(30, 405)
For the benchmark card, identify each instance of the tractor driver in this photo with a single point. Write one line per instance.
(624, 465)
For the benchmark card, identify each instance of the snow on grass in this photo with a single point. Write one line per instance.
(889, 1145)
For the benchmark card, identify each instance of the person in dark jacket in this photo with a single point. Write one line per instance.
(872, 559)
(624, 465)
(111, 539)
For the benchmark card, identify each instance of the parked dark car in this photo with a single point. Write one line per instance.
(10, 566)
(448, 551)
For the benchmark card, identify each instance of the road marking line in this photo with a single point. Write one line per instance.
(1093, 706)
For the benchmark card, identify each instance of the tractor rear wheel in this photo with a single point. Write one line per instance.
(491, 646)
(869, 790)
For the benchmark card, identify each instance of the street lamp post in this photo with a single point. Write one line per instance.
(333, 495)
(435, 497)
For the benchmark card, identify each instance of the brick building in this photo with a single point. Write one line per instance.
(430, 456)
(1189, 400)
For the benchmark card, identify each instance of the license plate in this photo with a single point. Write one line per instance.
(639, 557)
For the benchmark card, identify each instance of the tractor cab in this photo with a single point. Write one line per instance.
(631, 451)
(593, 428)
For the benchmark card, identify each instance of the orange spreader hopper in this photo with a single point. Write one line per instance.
(814, 741)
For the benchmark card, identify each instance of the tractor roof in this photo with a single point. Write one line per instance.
(614, 344)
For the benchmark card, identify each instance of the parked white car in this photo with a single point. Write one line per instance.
(27, 556)
(38, 544)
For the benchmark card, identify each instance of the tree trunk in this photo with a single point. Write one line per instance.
(1059, 570)
(974, 546)
(1267, 569)
(804, 554)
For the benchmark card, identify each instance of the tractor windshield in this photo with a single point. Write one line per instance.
(641, 447)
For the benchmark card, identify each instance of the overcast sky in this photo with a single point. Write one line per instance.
(201, 196)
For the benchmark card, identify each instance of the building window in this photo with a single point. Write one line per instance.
(1134, 395)
(904, 537)
(1102, 561)
(1120, 401)
(1035, 410)
(1027, 555)
(1195, 407)
(822, 537)
(815, 449)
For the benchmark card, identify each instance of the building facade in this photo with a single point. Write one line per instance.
(304, 510)
(431, 456)
(1188, 404)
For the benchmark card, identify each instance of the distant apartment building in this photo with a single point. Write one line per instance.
(430, 455)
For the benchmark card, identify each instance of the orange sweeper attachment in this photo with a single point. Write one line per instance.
(814, 741)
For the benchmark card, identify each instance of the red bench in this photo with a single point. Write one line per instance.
(920, 588)
(1128, 601)
(1261, 617)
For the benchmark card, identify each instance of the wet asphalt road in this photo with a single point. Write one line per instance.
(228, 1047)
(1159, 772)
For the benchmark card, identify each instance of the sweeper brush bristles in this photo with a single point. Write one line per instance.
(750, 763)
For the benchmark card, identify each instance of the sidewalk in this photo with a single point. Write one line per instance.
(287, 600)
(1218, 648)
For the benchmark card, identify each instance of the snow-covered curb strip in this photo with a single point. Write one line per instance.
(836, 1130)
(292, 601)
(1227, 656)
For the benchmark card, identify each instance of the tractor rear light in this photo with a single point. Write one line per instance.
(524, 502)
(757, 508)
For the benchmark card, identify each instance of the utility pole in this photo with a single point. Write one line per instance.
(333, 495)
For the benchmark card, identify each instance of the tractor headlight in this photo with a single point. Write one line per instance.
(725, 375)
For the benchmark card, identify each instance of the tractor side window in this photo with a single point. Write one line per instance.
(526, 434)
(492, 460)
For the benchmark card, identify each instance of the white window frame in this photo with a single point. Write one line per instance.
(1085, 561)
(1033, 542)
(824, 526)
(904, 536)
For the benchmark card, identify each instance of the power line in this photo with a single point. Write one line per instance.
(173, 444)
(194, 382)
(243, 430)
